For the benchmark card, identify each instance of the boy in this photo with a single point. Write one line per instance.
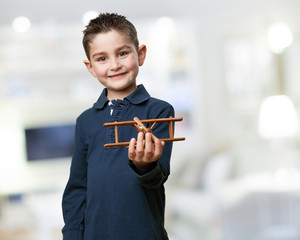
(117, 193)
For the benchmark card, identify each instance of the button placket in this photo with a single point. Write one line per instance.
(116, 110)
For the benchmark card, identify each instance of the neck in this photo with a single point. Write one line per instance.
(114, 95)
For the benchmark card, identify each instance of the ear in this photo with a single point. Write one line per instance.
(89, 67)
(142, 54)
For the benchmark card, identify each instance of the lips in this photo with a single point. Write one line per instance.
(118, 75)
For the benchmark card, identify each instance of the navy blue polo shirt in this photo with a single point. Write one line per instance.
(105, 198)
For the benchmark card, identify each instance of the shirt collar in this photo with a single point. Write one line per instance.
(139, 95)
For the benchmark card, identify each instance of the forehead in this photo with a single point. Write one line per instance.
(109, 40)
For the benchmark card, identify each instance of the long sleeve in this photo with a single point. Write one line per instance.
(161, 170)
(74, 196)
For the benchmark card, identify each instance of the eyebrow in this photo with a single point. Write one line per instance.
(117, 50)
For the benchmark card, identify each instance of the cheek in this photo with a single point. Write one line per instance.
(132, 64)
(100, 72)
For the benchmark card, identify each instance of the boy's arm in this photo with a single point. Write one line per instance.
(73, 203)
(151, 163)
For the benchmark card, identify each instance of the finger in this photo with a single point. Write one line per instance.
(159, 146)
(149, 148)
(131, 149)
(140, 144)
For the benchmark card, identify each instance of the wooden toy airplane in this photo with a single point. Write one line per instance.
(140, 127)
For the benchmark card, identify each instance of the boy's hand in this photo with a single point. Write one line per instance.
(144, 152)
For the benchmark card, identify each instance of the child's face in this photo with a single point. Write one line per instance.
(115, 62)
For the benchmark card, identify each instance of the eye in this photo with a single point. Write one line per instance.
(123, 53)
(101, 59)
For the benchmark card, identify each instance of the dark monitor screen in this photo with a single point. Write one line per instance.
(49, 142)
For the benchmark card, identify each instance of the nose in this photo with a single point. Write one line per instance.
(115, 64)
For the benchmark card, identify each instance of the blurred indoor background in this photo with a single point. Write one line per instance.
(230, 69)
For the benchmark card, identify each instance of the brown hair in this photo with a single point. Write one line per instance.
(106, 22)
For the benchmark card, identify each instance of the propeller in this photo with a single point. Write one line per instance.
(140, 127)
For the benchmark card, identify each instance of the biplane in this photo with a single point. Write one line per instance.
(140, 127)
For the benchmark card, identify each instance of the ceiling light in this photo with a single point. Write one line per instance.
(166, 23)
(280, 37)
(21, 24)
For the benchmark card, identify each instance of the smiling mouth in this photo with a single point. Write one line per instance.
(117, 75)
